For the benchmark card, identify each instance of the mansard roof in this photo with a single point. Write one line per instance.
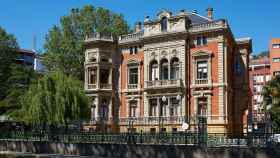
(198, 19)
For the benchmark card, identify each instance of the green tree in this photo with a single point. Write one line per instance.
(55, 99)
(18, 81)
(8, 48)
(271, 101)
(64, 43)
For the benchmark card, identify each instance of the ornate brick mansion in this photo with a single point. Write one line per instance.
(173, 73)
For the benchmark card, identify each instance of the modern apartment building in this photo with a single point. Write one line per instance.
(259, 73)
(173, 73)
(25, 57)
(274, 52)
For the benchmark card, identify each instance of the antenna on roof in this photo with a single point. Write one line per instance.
(34, 42)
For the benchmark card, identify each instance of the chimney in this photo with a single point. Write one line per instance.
(209, 13)
(138, 26)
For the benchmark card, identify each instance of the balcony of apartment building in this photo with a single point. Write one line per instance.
(164, 75)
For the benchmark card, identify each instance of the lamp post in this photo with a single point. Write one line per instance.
(163, 99)
(268, 119)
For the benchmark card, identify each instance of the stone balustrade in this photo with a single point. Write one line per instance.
(162, 83)
(99, 37)
(208, 26)
(131, 37)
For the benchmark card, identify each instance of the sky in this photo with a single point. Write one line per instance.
(258, 19)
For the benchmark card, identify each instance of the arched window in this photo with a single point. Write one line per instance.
(164, 69)
(175, 68)
(163, 24)
(154, 70)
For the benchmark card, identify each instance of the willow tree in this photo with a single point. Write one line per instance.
(55, 99)
(271, 101)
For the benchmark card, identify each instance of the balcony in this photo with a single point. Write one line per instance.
(99, 86)
(130, 37)
(162, 83)
(132, 86)
(201, 81)
(107, 37)
(91, 86)
(105, 86)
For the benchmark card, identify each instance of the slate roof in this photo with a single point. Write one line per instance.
(198, 19)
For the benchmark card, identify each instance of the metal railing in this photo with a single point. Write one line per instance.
(162, 83)
(153, 120)
(184, 138)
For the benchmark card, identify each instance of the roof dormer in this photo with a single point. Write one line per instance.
(164, 13)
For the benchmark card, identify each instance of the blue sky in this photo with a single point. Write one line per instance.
(258, 19)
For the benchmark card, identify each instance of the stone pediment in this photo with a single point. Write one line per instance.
(201, 53)
(164, 13)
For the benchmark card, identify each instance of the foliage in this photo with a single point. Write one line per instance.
(64, 44)
(261, 54)
(8, 47)
(18, 81)
(55, 99)
(271, 101)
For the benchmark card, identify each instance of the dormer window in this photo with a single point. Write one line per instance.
(163, 24)
(201, 41)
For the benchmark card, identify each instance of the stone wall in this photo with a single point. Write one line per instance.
(137, 151)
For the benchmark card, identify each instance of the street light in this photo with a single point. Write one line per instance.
(92, 110)
(161, 112)
(268, 118)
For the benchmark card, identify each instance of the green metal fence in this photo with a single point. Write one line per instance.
(210, 140)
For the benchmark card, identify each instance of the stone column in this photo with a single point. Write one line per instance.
(98, 77)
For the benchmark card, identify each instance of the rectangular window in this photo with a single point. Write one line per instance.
(202, 106)
(132, 109)
(153, 106)
(198, 41)
(276, 73)
(135, 50)
(92, 76)
(202, 70)
(277, 45)
(268, 78)
(204, 40)
(174, 107)
(131, 50)
(133, 75)
(104, 76)
(276, 60)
